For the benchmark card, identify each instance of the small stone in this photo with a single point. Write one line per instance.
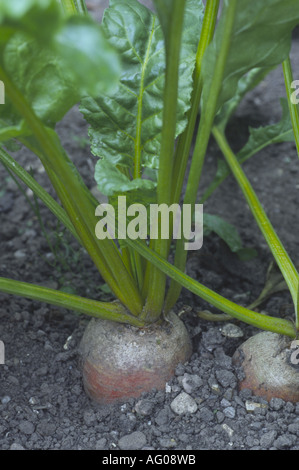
(252, 406)
(206, 415)
(231, 331)
(20, 254)
(89, 417)
(225, 403)
(16, 446)
(101, 444)
(226, 378)
(33, 401)
(162, 416)
(183, 403)
(294, 428)
(46, 428)
(167, 442)
(283, 442)
(215, 387)
(26, 427)
(267, 439)
(227, 429)
(134, 441)
(276, 403)
(144, 407)
(191, 382)
(229, 412)
(5, 400)
(220, 417)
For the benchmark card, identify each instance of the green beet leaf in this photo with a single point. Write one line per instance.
(128, 122)
(246, 83)
(55, 70)
(38, 18)
(261, 38)
(263, 136)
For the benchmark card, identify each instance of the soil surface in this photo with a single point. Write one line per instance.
(42, 401)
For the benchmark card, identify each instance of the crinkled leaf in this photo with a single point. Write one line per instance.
(261, 137)
(113, 180)
(261, 37)
(129, 120)
(42, 78)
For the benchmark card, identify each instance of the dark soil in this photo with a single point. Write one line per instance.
(42, 402)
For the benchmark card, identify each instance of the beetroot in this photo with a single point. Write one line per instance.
(266, 360)
(119, 361)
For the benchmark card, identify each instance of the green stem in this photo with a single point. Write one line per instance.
(78, 204)
(113, 311)
(282, 258)
(201, 144)
(264, 322)
(184, 142)
(293, 107)
(157, 280)
(30, 182)
(73, 7)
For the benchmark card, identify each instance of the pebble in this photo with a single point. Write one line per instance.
(20, 254)
(26, 427)
(191, 382)
(46, 428)
(276, 403)
(144, 407)
(16, 446)
(229, 412)
(283, 442)
(167, 442)
(294, 428)
(226, 378)
(134, 441)
(183, 403)
(252, 406)
(227, 429)
(231, 331)
(5, 399)
(206, 415)
(89, 417)
(101, 444)
(268, 438)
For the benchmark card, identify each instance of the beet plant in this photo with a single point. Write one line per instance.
(141, 78)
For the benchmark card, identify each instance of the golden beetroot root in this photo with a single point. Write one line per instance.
(119, 361)
(266, 360)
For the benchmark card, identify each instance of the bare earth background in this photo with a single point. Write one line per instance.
(42, 403)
